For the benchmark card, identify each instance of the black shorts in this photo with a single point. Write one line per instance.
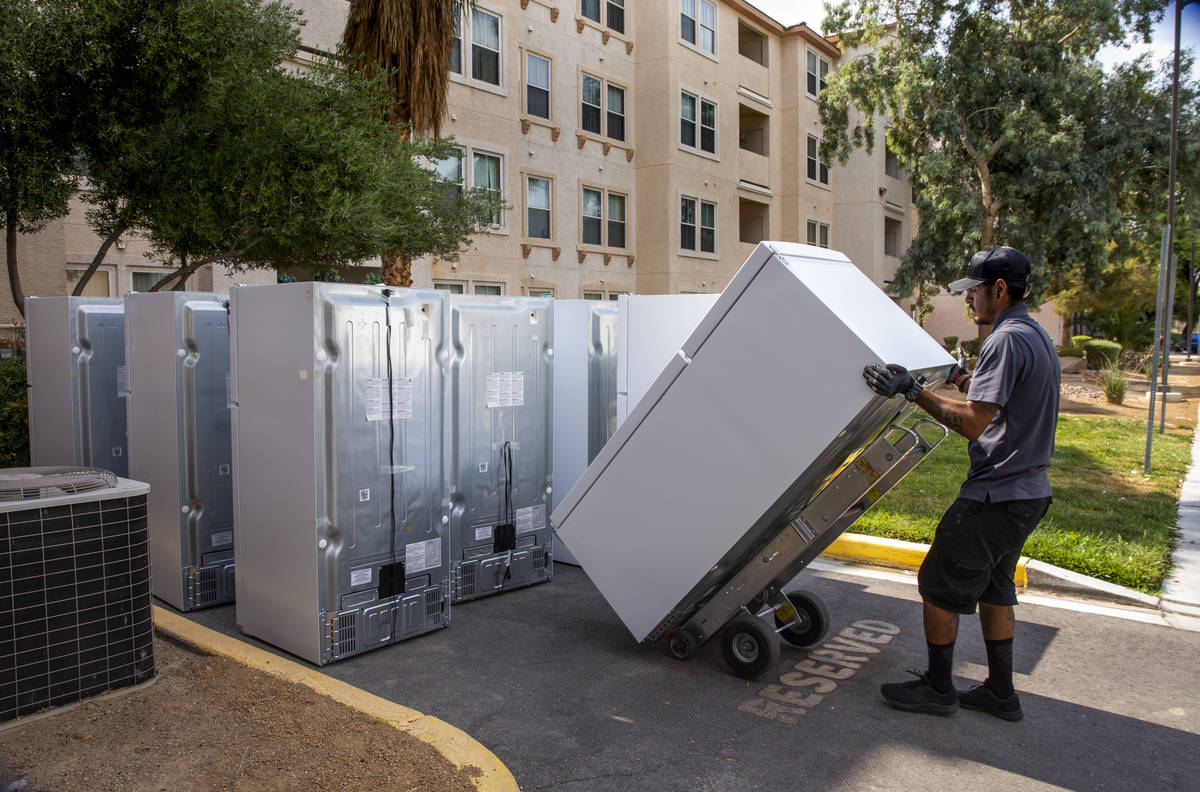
(975, 553)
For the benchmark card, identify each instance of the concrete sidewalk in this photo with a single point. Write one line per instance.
(1181, 591)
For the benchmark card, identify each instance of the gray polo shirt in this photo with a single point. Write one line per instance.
(1018, 371)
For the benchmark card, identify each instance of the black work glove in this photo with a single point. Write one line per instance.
(959, 376)
(892, 380)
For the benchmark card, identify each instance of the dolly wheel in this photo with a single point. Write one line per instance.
(681, 644)
(806, 618)
(750, 647)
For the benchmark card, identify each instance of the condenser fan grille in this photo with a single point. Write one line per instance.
(22, 484)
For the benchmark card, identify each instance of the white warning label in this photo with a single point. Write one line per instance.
(420, 556)
(484, 533)
(360, 577)
(122, 382)
(377, 399)
(506, 389)
(222, 538)
(531, 518)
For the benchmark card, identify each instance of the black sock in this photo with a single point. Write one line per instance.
(941, 660)
(1000, 665)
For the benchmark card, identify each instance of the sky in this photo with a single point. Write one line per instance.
(812, 12)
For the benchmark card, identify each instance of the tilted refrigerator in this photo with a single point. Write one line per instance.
(499, 442)
(337, 414)
(75, 352)
(177, 359)
(762, 406)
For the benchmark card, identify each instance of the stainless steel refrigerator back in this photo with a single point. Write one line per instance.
(338, 399)
(76, 375)
(499, 442)
(177, 358)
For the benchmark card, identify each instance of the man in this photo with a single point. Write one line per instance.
(1009, 417)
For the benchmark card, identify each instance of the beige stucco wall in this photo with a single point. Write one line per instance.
(950, 318)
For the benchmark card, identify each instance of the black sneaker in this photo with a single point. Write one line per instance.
(983, 699)
(919, 695)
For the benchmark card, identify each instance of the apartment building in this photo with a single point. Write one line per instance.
(641, 145)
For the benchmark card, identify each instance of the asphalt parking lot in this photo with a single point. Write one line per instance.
(548, 679)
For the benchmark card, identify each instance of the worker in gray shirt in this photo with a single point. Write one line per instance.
(1009, 417)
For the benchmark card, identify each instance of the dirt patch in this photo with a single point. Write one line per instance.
(209, 723)
(1083, 395)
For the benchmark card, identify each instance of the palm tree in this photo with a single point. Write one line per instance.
(410, 41)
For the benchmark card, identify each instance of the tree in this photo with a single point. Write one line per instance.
(38, 83)
(214, 153)
(409, 43)
(1010, 130)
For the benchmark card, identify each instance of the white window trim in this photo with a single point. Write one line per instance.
(700, 98)
(604, 245)
(697, 252)
(107, 272)
(819, 224)
(696, 47)
(469, 151)
(544, 241)
(465, 77)
(829, 70)
(525, 53)
(602, 135)
(817, 181)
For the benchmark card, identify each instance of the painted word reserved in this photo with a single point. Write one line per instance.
(816, 676)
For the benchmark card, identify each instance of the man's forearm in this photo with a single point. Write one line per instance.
(968, 419)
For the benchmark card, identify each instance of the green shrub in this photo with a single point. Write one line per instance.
(1114, 384)
(971, 346)
(14, 414)
(1079, 340)
(1069, 351)
(950, 343)
(1101, 354)
(372, 278)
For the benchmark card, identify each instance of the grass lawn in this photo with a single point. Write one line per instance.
(1107, 520)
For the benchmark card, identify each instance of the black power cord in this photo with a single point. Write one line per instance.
(395, 582)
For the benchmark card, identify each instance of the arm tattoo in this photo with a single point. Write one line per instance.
(945, 414)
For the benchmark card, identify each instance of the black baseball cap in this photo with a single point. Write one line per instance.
(992, 264)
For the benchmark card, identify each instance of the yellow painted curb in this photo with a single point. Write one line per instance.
(877, 550)
(459, 748)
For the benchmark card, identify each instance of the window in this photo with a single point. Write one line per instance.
(485, 46)
(97, 285)
(704, 26)
(891, 165)
(891, 237)
(602, 295)
(614, 12)
(594, 223)
(818, 234)
(706, 227)
(453, 288)
(490, 289)
(688, 105)
(537, 207)
(484, 174)
(818, 70)
(456, 44)
(539, 292)
(817, 170)
(590, 98)
(537, 85)
(602, 119)
(143, 281)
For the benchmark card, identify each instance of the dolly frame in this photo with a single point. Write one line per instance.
(739, 609)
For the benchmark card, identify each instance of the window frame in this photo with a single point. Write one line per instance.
(698, 227)
(464, 44)
(549, 88)
(604, 110)
(817, 78)
(698, 26)
(468, 153)
(698, 126)
(605, 219)
(814, 229)
(822, 177)
(528, 177)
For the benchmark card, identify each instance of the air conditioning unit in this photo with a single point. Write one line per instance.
(177, 357)
(75, 615)
(76, 375)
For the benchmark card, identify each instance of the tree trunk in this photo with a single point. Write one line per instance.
(100, 254)
(10, 250)
(397, 269)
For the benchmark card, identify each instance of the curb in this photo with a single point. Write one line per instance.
(1030, 574)
(459, 748)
